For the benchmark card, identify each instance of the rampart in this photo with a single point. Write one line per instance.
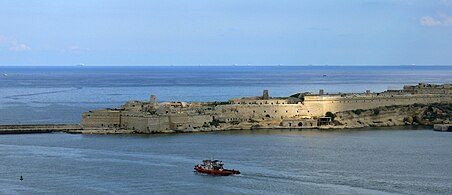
(302, 110)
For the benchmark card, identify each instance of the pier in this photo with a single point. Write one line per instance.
(38, 128)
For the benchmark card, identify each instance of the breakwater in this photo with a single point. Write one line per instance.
(39, 128)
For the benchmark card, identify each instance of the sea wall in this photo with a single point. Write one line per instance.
(319, 105)
(38, 128)
(245, 112)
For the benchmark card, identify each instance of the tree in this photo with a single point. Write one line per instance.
(331, 115)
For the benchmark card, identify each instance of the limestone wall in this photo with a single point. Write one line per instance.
(245, 112)
(158, 124)
(259, 102)
(319, 105)
(101, 119)
(184, 121)
(134, 122)
(299, 123)
(425, 88)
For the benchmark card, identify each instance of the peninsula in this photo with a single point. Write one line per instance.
(422, 104)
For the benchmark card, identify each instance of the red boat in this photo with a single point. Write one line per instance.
(214, 167)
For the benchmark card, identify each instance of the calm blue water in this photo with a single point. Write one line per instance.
(372, 161)
(271, 162)
(61, 94)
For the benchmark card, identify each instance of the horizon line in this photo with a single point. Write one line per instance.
(220, 65)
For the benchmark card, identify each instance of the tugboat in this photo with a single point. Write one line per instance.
(214, 167)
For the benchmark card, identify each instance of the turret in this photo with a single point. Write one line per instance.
(153, 101)
(265, 95)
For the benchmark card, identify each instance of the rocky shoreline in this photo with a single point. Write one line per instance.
(387, 116)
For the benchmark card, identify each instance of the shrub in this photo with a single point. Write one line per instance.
(376, 111)
(331, 115)
(215, 122)
(357, 111)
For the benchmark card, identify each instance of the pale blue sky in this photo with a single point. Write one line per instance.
(212, 32)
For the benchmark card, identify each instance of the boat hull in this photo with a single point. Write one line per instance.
(224, 172)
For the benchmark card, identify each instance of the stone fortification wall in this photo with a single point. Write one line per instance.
(144, 122)
(425, 88)
(319, 105)
(158, 124)
(185, 121)
(134, 121)
(245, 112)
(101, 119)
(259, 101)
(299, 123)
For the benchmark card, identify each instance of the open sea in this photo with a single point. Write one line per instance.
(370, 161)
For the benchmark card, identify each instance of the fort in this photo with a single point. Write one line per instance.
(410, 105)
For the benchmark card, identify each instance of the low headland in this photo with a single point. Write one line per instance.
(422, 104)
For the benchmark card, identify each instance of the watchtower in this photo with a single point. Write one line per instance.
(153, 101)
(265, 95)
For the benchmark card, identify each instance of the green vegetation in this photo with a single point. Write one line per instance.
(234, 122)
(217, 103)
(215, 122)
(331, 115)
(357, 111)
(297, 95)
(376, 111)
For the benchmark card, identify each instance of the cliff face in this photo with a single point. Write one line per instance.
(416, 114)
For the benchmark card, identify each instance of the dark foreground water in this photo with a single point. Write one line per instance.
(271, 161)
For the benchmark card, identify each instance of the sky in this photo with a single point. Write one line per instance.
(225, 32)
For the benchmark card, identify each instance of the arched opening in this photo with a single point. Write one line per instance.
(268, 116)
(300, 124)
